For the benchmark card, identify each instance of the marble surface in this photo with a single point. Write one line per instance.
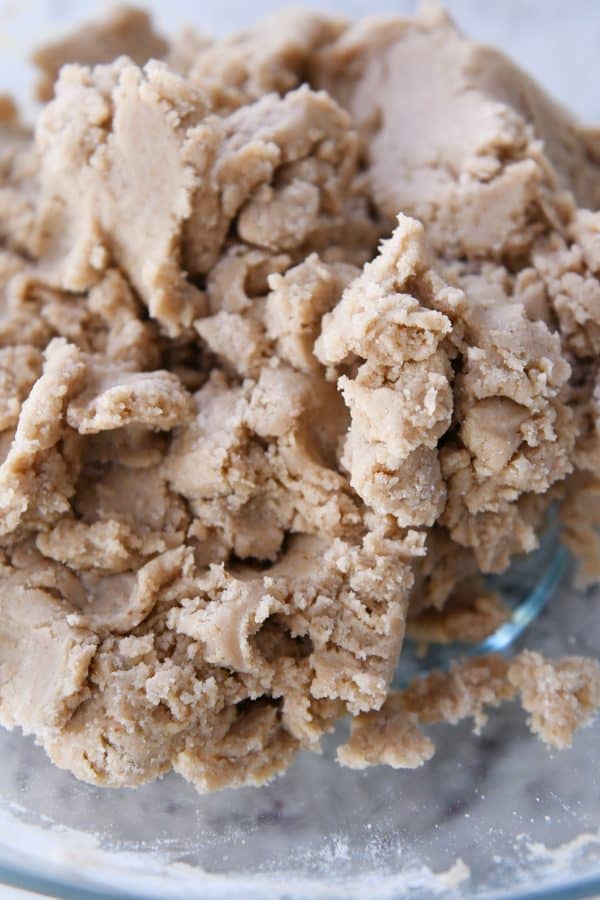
(499, 802)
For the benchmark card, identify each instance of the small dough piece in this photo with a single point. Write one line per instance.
(88, 137)
(393, 736)
(401, 399)
(114, 399)
(462, 693)
(129, 340)
(122, 31)
(296, 304)
(568, 268)
(516, 431)
(108, 545)
(257, 461)
(282, 316)
(241, 275)
(216, 464)
(390, 736)
(37, 478)
(255, 749)
(559, 696)
(119, 603)
(239, 341)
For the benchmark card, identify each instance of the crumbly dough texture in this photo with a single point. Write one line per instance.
(299, 336)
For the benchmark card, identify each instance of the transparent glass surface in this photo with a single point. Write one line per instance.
(526, 587)
(493, 815)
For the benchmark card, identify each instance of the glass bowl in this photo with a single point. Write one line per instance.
(526, 587)
(494, 815)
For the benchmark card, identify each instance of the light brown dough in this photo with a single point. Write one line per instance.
(393, 316)
(38, 475)
(243, 447)
(123, 31)
(18, 168)
(455, 132)
(270, 57)
(245, 168)
(559, 695)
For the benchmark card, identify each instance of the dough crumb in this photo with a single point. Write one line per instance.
(390, 736)
(560, 696)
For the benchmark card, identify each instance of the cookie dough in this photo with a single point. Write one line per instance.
(299, 337)
(558, 695)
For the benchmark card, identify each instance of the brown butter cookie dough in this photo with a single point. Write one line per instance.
(243, 447)
(558, 695)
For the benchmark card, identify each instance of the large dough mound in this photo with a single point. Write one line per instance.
(277, 172)
(243, 448)
(495, 170)
(457, 135)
